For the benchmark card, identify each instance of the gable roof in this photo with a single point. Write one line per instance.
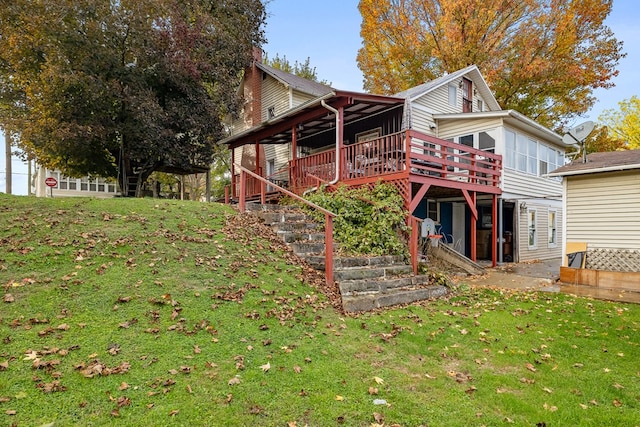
(296, 82)
(471, 71)
(601, 162)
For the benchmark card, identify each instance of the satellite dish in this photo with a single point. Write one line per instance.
(582, 131)
(578, 135)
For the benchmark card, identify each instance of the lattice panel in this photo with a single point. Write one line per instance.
(613, 260)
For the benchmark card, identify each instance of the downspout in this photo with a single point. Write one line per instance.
(337, 176)
(337, 113)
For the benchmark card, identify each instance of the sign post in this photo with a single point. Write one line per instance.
(51, 182)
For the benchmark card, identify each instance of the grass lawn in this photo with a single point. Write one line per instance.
(142, 312)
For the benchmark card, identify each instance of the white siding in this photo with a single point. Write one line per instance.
(300, 98)
(517, 184)
(603, 210)
(452, 128)
(274, 95)
(438, 100)
(543, 250)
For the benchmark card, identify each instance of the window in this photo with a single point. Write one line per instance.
(467, 98)
(486, 142)
(271, 112)
(544, 163)
(553, 228)
(532, 157)
(466, 140)
(480, 105)
(532, 228)
(433, 210)
(453, 95)
(509, 149)
(521, 153)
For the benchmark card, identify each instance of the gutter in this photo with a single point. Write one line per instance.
(605, 169)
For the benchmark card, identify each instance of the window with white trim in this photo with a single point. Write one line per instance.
(532, 228)
(553, 228)
(453, 95)
(433, 210)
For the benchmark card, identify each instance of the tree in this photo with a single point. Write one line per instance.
(123, 88)
(542, 58)
(625, 122)
(304, 70)
(602, 139)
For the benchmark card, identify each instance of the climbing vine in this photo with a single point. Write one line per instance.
(370, 220)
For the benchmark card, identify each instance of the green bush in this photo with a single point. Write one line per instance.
(369, 221)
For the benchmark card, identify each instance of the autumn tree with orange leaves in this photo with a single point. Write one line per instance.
(542, 58)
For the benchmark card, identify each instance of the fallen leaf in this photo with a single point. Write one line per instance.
(234, 381)
(10, 412)
(373, 391)
(174, 412)
(378, 417)
(548, 390)
(8, 298)
(197, 349)
(430, 377)
(531, 367)
(339, 398)
(265, 367)
(617, 403)
(378, 380)
(123, 386)
(583, 406)
(618, 386)
(297, 369)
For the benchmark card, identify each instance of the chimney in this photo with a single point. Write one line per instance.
(256, 87)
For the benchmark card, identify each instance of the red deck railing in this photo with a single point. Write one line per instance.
(427, 156)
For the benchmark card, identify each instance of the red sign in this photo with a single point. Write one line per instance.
(51, 182)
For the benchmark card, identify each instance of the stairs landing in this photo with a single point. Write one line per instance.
(365, 283)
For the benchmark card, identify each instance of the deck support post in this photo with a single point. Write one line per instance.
(413, 242)
(494, 231)
(243, 194)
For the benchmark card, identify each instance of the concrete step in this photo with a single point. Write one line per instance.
(271, 218)
(269, 207)
(370, 302)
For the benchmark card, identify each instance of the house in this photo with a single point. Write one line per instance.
(477, 171)
(602, 199)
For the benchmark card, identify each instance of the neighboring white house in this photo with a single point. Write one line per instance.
(71, 187)
(602, 199)
(458, 107)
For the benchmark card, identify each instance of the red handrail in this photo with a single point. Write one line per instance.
(328, 215)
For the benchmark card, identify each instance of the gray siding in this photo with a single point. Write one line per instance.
(603, 210)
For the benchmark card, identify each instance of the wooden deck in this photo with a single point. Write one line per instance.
(406, 155)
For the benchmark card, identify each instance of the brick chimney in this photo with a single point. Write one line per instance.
(255, 82)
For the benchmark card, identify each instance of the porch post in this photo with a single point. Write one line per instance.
(257, 171)
(341, 152)
(294, 157)
(500, 230)
(494, 231)
(474, 226)
(233, 172)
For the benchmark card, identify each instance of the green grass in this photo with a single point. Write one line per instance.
(176, 299)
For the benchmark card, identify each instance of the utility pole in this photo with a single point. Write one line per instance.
(9, 173)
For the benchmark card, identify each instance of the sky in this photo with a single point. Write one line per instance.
(328, 33)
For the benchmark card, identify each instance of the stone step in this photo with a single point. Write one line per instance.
(307, 248)
(377, 272)
(295, 226)
(269, 207)
(370, 302)
(292, 237)
(362, 261)
(359, 287)
(271, 218)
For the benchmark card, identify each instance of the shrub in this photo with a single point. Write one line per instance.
(369, 221)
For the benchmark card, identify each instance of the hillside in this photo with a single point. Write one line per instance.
(147, 312)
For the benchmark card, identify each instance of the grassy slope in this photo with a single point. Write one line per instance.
(178, 301)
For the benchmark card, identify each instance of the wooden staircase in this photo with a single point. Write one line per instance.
(365, 283)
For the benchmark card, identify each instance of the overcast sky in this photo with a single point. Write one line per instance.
(328, 33)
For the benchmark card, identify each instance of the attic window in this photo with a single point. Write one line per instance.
(467, 96)
(271, 112)
(480, 106)
(453, 95)
(264, 76)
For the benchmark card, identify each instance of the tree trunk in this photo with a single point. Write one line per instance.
(8, 169)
